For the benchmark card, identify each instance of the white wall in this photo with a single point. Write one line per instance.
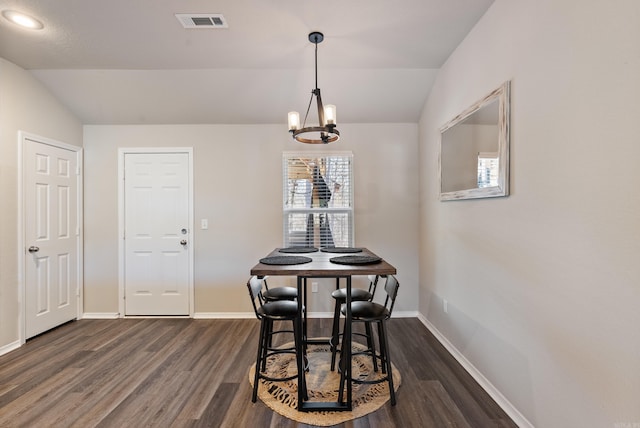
(543, 286)
(25, 105)
(238, 188)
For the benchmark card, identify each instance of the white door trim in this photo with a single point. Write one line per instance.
(121, 194)
(22, 138)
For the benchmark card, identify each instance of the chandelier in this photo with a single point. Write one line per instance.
(326, 131)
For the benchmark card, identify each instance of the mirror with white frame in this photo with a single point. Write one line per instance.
(474, 150)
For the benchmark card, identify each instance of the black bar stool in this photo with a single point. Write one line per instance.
(340, 297)
(267, 313)
(368, 313)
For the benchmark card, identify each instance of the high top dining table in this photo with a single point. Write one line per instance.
(320, 266)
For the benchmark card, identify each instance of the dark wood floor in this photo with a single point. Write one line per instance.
(192, 373)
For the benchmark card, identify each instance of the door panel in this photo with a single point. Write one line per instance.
(157, 259)
(51, 228)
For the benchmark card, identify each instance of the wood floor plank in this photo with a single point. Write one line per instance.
(187, 373)
(134, 368)
(31, 404)
(215, 412)
(222, 357)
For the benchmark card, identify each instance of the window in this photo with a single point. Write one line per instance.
(318, 199)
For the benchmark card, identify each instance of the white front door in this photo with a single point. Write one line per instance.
(156, 234)
(51, 236)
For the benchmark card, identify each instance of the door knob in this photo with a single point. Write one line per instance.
(34, 249)
(183, 242)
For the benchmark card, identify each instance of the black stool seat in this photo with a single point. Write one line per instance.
(356, 294)
(367, 311)
(281, 293)
(278, 293)
(279, 309)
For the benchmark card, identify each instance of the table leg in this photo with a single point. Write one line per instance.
(305, 320)
(305, 406)
(300, 346)
(347, 343)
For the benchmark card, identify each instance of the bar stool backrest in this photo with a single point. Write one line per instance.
(255, 285)
(264, 282)
(391, 288)
(373, 284)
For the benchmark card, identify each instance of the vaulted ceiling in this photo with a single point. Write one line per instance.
(132, 61)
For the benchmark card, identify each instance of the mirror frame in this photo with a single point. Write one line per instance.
(502, 95)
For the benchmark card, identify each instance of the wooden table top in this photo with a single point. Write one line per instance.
(321, 266)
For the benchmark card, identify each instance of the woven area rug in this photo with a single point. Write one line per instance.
(322, 385)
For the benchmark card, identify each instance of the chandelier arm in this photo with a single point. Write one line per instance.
(320, 108)
(304, 122)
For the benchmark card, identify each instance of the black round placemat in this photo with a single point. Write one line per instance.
(298, 250)
(285, 260)
(355, 260)
(341, 250)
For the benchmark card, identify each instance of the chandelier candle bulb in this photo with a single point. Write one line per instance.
(294, 120)
(330, 114)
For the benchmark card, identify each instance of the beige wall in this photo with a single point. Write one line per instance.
(238, 188)
(543, 286)
(25, 105)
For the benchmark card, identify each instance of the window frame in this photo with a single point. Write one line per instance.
(348, 210)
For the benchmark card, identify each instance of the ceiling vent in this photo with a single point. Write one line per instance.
(202, 20)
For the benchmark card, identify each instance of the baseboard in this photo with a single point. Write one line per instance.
(100, 315)
(246, 315)
(223, 315)
(493, 392)
(405, 314)
(10, 347)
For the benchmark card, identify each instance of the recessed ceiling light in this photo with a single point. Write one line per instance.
(22, 20)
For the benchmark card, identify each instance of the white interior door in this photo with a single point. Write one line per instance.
(157, 235)
(51, 236)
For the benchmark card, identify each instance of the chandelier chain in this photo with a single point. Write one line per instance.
(316, 65)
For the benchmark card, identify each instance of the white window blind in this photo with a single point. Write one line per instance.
(318, 199)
